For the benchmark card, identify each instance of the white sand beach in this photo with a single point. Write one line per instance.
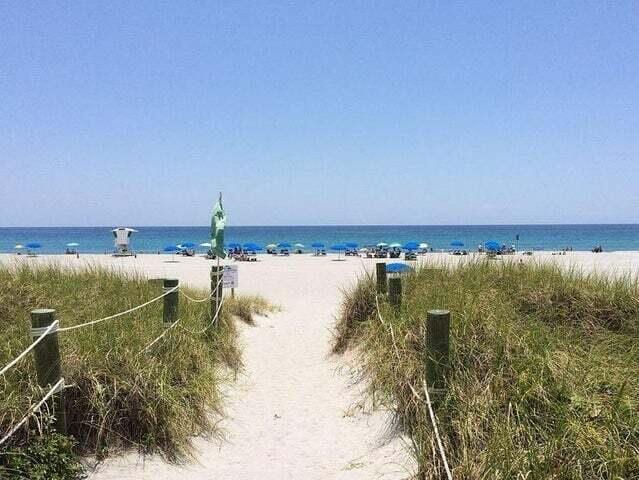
(293, 412)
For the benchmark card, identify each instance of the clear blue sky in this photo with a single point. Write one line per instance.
(319, 112)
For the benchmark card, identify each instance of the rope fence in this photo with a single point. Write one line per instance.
(111, 317)
(34, 408)
(157, 339)
(45, 325)
(29, 348)
(433, 418)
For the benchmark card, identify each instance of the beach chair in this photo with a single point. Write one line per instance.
(410, 255)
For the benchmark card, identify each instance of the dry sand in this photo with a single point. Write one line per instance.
(293, 412)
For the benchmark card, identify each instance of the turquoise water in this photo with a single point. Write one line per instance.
(548, 237)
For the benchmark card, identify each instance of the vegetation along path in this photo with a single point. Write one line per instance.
(292, 413)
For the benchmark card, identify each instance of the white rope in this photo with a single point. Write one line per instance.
(391, 329)
(110, 317)
(30, 347)
(215, 317)
(160, 337)
(433, 419)
(196, 300)
(59, 384)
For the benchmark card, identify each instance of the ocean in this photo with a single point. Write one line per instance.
(152, 239)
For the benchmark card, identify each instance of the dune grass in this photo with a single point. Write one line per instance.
(155, 401)
(543, 380)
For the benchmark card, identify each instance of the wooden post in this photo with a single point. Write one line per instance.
(216, 290)
(395, 292)
(47, 360)
(437, 343)
(171, 302)
(381, 277)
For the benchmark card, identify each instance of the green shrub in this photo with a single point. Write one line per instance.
(48, 457)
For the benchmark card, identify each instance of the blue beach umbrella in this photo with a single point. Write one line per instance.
(339, 248)
(188, 245)
(492, 246)
(33, 245)
(284, 245)
(456, 243)
(317, 245)
(397, 268)
(252, 247)
(171, 248)
(411, 246)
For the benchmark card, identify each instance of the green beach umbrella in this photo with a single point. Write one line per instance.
(218, 222)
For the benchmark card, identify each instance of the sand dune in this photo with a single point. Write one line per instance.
(293, 412)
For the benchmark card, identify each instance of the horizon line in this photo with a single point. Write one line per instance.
(334, 225)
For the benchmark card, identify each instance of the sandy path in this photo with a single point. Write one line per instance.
(290, 414)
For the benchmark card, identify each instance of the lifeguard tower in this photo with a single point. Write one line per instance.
(123, 241)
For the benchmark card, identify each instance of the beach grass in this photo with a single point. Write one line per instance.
(117, 397)
(543, 373)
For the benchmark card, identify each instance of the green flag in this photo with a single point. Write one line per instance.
(218, 221)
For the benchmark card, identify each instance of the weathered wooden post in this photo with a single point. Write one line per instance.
(395, 292)
(437, 346)
(47, 360)
(216, 290)
(171, 302)
(381, 277)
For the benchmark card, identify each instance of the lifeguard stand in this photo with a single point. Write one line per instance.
(122, 241)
